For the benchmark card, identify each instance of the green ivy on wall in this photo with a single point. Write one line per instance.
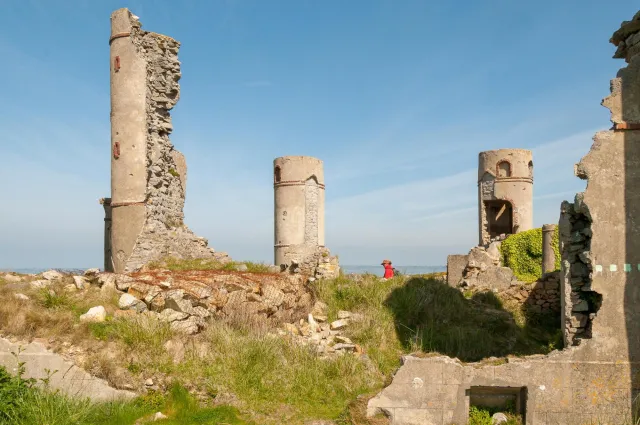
(522, 253)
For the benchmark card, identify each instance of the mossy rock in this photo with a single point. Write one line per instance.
(522, 253)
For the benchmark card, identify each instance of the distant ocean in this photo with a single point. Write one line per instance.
(407, 270)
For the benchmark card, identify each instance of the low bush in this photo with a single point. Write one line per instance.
(522, 253)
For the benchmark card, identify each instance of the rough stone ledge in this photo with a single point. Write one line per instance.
(68, 378)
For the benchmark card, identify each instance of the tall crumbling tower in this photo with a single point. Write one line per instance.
(298, 183)
(505, 192)
(148, 175)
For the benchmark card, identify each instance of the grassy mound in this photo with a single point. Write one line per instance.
(426, 315)
(268, 378)
(522, 253)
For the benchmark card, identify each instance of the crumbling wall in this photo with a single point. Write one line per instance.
(595, 378)
(579, 302)
(483, 271)
(158, 230)
(505, 175)
(541, 297)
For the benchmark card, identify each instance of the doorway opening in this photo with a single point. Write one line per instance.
(499, 218)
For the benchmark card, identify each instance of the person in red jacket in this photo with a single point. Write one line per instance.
(388, 269)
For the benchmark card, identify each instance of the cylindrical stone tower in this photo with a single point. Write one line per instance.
(505, 192)
(298, 183)
(128, 139)
(548, 250)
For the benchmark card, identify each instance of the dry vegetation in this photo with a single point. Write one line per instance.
(269, 379)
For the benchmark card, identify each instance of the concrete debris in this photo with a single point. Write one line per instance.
(328, 343)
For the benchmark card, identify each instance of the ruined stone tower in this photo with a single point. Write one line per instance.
(505, 192)
(595, 378)
(298, 183)
(148, 176)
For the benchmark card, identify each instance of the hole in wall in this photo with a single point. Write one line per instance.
(503, 169)
(499, 217)
(531, 169)
(276, 175)
(511, 401)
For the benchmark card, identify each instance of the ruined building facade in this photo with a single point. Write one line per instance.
(505, 193)
(595, 378)
(144, 215)
(299, 192)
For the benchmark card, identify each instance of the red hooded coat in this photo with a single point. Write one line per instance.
(388, 271)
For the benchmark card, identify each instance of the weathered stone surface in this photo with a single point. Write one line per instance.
(169, 315)
(52, 275)
(339, 324)
(143, 93)
(505, 180)
(129, 302)
(550, 382)
(95, 314)
(40, 283)
(455, 268)
(188, 326)
(70, 380)
(80, 281)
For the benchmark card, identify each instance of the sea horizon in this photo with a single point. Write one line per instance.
(347, 269)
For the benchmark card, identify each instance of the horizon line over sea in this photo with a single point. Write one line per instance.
(347, 269)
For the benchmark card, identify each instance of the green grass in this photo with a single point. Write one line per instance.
(175, 264)
(420, 314)
(272, 378)
(24, 403)
(482, 416)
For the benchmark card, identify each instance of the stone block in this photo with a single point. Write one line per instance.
(455, 266)
(417, 416)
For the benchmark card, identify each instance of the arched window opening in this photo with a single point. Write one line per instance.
(531, 169)
(276, 175)
(503, 169)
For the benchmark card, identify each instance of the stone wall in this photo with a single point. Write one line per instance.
(482, 270)
(187, 298)
(541, 297)
(596, 377)
(147, 229)
(436, 390)
(580, 302)
(455, 267)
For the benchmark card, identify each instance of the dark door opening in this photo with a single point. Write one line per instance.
(511, 401)
(499, 218)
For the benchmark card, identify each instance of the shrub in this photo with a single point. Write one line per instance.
(479, 416)
(522, 253)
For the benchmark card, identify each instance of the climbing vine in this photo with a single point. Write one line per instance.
(522, 253)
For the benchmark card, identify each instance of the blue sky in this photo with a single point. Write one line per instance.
(396, 97)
